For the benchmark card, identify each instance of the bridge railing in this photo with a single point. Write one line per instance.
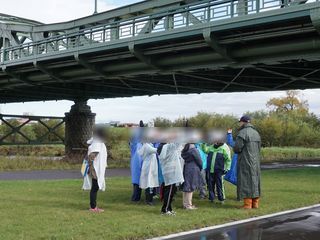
(35, 130)
(181, 17)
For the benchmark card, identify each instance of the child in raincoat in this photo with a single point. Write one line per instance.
(218, 164)
(149, 172)
(136, 162)
(191, 173)
(97, 157)
(172, 172)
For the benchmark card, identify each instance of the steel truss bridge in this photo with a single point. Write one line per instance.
(163, 47)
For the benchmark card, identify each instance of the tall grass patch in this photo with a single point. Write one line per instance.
(289, 154)
(32, 163)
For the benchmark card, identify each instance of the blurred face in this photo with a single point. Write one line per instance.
(100, 133)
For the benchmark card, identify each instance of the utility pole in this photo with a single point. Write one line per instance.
(95, 7)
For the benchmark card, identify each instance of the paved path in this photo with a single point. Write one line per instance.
(57, 174)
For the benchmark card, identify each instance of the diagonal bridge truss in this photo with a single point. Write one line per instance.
(13, 126)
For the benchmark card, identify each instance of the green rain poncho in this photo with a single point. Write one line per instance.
(248, 145)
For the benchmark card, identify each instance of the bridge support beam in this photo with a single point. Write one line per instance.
(212, 42)
(79, 126)
(315, 18)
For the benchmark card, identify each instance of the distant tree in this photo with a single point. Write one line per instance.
(200, 120)
(162, 122)
(212, 120)
(257, 115)
(180, 122)
(313, 120)
(289, 103)
(41, 131)
(270, 130)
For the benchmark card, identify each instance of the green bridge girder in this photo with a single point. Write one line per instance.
(164, 47)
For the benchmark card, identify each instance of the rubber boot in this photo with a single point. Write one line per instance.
(255, 202)
(247, 203)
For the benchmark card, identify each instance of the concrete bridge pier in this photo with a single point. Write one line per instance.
(79, 123)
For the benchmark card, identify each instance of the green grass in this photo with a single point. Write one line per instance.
(58, 209)
(292, 154)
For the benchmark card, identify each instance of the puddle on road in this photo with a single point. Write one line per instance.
(289, 165)
(295, 226)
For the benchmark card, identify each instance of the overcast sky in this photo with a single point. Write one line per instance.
(136, 108)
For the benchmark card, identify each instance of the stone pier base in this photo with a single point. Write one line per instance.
(79, 126)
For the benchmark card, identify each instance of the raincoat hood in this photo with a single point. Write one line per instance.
(247, 125)
(186, 154)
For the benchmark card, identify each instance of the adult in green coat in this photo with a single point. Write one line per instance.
(248, 146)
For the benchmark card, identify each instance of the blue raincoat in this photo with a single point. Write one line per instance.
(203, 156)
(231, 175)
(136, 160)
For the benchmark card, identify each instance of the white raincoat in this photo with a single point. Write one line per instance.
(149, 172)
(170, 161)
(99, 164)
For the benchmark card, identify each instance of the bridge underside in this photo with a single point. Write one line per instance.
(300, 74)
(273, 51)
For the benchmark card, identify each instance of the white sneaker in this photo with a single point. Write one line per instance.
(168, 213)
(190, 207)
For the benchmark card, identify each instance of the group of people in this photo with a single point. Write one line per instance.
(160, 169)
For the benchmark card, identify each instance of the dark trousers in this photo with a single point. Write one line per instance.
(136, 195)
(93, 193)
(149, 192)
(168, 194)
(215, 185)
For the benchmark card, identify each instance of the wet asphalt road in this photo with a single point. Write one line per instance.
(304, 225)
(115, 172)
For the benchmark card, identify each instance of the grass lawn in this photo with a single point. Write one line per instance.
(59, 209)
